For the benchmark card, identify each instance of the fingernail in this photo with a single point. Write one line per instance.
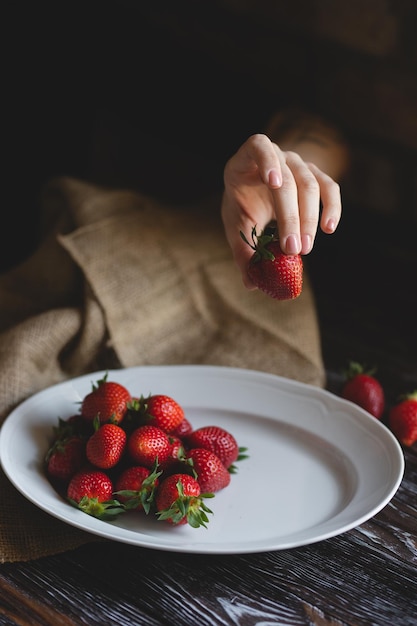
(274, 178)
(291, 245)
(330, 225)
(306, 242)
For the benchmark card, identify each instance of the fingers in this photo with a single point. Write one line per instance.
(263, 183)
(331, 200)
(258, 158)
(236, 220)
(290, 200)
(297, 204)
(249, 176)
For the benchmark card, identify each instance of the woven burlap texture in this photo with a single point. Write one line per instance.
(120, 280)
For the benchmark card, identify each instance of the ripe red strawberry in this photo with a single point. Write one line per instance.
(185, 428)
(164, 412)
(216, 439)
(177, 448)
(210, 472)
(149, 444)
(91, 491)
(77, 425)
(278, 275)
(174, 462)
(179, 501)
(65, 457)
(135, 488)
(402, 419)
(105, 447)
(364, 389)
(107, 400)
(68, 427)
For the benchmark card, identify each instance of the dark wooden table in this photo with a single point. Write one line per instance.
(366, 576)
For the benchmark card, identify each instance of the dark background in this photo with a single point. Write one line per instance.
(72, 68)
(184, 87)
(187, 85)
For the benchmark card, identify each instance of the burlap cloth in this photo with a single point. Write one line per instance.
(120, 280)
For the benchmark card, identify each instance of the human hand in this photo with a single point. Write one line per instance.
(264, 183)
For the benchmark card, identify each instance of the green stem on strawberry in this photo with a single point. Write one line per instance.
(106, 511)
(356, 368)
(259, 243)
(144, 497)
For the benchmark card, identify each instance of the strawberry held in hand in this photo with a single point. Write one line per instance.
(403, 419)
(364, 389)
(278, 275)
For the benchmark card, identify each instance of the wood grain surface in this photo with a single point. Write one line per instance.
(364, 277)
(364, 577)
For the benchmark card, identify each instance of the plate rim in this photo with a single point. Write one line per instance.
(103, 529)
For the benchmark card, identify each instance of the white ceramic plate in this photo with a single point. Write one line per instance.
(318, 465)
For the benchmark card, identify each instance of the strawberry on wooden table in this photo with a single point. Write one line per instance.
(210, 472)
(106, 445)
(108, 400)
(179, 501)
(402, 419)
(91, 491)
(278, 275)
(362, 388)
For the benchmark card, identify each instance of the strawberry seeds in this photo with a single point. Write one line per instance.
(129, 454)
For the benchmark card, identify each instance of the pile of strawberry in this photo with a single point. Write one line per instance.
(364, 389)
(122, 453)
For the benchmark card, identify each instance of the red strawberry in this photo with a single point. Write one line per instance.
(364, 389)
(278, 275)
(185, 428)
(174, 462)
(91, 491)
(403, 419)
(107, 400)
(71, 426)
(105, 447)
(149, 444)
(210, 472)
(65, 457)
(216, 439)
(177, 448)
(179, 501)
(164, 412)
(79, 426)
(135, 488)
